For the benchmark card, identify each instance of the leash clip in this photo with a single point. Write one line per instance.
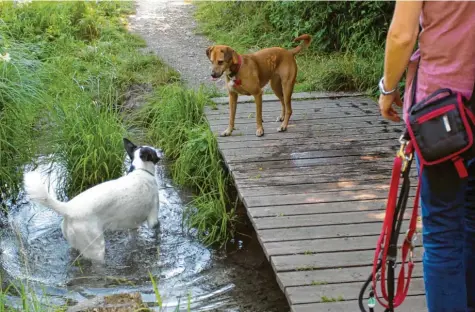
(402, 152)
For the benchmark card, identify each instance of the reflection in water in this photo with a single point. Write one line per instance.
(32, 247)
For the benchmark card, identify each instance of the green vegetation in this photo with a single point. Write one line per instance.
(61, 92)
(347, 51)
(175, 121)
(62, 95)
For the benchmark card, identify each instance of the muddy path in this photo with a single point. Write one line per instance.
(168, 27)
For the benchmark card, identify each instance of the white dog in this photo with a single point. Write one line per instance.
(119, 204)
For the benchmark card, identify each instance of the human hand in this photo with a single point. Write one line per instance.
(386, 108)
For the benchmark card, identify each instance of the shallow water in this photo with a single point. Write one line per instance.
(32, 247)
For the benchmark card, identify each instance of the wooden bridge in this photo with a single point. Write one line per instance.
(316, 194)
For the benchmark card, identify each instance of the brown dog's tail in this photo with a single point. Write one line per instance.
(306, 42)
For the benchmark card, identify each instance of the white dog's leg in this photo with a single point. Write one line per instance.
(153, 222)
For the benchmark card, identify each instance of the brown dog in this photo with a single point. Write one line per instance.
(249, 73)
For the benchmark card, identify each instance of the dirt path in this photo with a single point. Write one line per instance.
(168, 27)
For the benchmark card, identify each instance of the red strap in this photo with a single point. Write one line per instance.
(460, 166)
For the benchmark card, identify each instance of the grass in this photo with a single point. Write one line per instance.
(175, 121)
(63, 90)
(249, 26)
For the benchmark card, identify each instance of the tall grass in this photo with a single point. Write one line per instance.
(347, 50)
(175, 121)
(63, 91)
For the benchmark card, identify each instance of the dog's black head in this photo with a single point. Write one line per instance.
(145, 153)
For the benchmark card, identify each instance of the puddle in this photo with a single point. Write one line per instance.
(33, 249)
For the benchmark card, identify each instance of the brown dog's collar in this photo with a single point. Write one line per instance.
(234, 71)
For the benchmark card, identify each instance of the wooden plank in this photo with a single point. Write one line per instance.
(306, 209)
(394, 131)
(297, 117)
(360, 162)
(348, 179)
(314, 96)
(340, 292)
(264, 170)
(380, 185)
(320, 232)
(270, 128)
(298, 121)
(331, 260)
(323, 140)
(411, 304)
(323, 245)
(273, 109)
(332, 276)
(354, 217)
(378, 149)
(307, 198)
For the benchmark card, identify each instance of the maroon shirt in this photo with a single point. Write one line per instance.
(446, 50)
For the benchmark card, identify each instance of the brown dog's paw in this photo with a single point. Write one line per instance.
(282, 129)
(260, 132)
(226, 132)
(280, 119)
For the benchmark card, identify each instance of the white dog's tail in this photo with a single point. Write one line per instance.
(38, 193)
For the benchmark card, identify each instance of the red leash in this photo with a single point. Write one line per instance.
(384, 262)
(386, 249)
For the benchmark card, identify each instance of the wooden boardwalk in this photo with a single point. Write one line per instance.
(316, 193)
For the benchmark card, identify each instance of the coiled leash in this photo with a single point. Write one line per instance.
(387, 245)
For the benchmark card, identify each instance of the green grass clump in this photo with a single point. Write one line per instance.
(175, 121)
(347, 50)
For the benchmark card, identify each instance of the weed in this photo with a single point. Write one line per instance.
(332, 299)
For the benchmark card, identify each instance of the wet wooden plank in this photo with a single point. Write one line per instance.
(339, 292)
(411, 304)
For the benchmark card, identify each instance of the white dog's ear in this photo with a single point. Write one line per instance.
(129, 148)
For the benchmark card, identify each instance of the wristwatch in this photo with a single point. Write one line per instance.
(381, 88)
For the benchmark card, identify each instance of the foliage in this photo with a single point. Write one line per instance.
(346, 53)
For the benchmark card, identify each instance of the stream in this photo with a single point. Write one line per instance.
(32, 249)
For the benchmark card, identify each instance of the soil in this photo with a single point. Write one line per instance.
(170, 31)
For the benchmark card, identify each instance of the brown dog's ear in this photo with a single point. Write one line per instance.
(229, 55)
(208, 51)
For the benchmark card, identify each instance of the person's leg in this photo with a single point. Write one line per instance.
(442, 209)
(469, 247)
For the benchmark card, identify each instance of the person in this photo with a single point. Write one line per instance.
(445, 58)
